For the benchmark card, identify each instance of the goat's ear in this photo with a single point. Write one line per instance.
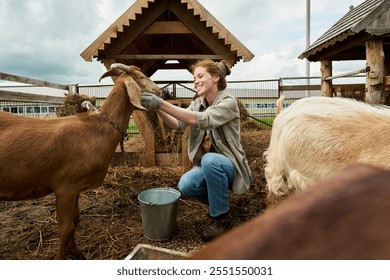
(134, 92)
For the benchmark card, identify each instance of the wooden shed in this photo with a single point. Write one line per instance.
(151, 34)
(361, 34)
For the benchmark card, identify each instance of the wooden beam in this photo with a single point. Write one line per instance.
(137, 28)
(300, 87)
(173, 66)
(14, 96)
(202, 32)
(116, 27)
(194, 8)
(25, 80)
(334, 48)
(166, 56)
(168, 27)
(317, 87)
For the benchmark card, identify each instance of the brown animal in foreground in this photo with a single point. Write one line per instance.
(67, 155)
(344, 217)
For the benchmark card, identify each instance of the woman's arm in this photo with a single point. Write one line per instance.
(171, 113)
(170, 121)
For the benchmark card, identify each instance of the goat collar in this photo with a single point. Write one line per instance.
(121, 132)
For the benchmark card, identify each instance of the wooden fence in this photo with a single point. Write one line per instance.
(15, 96)
(258, 96)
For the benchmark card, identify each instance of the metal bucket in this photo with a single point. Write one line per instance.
(158, 212)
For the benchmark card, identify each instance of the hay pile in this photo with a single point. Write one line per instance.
(72, 104)
(171, 142)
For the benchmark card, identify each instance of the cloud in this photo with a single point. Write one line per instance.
(43, 39)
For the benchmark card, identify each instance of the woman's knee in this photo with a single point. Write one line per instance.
(216, 161)
(208, 160)
(184, 184)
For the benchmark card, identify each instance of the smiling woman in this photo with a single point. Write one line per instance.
(213, 145)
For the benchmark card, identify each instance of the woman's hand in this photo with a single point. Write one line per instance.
(150, 101)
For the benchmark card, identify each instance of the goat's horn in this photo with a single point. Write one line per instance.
(124, 67)
(111, 72)
(116, 70)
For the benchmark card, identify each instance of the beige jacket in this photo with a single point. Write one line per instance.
(221, 120)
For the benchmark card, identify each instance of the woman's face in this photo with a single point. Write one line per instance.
(204, 83)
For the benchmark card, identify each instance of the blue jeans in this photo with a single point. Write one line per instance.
(210, 182)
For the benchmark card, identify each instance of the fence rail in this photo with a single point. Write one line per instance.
(12, 94)
(30, 81)
(257, 96)
(16, 96)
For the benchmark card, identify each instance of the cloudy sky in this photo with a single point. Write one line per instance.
(43, 39)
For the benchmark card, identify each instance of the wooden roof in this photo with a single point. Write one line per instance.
(152, 32)
(346, 39)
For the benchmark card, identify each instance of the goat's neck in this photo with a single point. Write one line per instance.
(117, 106)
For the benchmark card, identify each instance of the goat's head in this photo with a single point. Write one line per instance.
(144, 82)
(139, 80)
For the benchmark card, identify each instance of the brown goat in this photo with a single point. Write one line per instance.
(344, 217)
(67, 155)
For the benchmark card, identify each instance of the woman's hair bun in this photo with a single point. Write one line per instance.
(224, 67)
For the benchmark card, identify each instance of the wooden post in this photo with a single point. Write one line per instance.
(375, 71)
(147, 133)
(185, 161)
(326, 71)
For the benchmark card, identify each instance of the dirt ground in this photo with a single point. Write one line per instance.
(110, 224)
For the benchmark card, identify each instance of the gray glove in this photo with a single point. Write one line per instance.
(150, 101)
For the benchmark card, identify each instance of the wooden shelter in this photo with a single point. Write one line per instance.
(152, 34)
(362, 34)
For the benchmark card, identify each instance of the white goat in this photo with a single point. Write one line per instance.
(67, 155)
(317, 136)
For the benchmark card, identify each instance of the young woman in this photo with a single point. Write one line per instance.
(214, 146)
